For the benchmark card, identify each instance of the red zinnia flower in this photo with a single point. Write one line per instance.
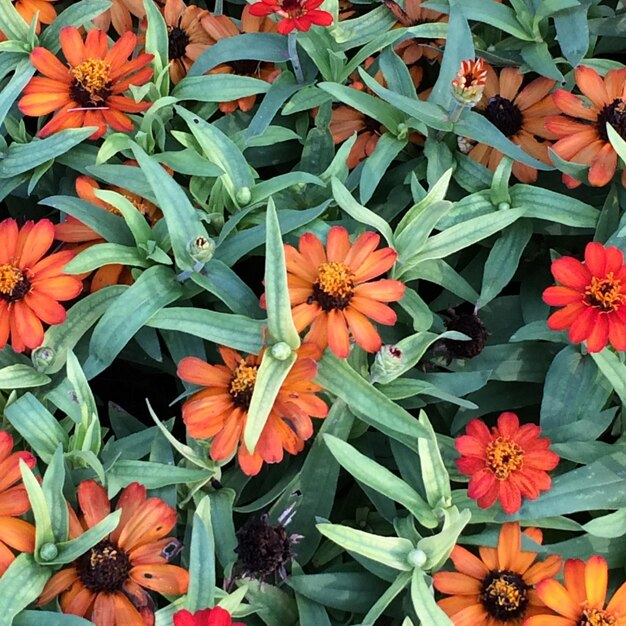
(89, 91)
(206, 617)
(31, 284)
(506, 464)
(332, 291)
(14, 533)
(296, 14)
(593, 294)
(221, 409)
(108, 583)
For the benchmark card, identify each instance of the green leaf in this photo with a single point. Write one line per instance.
(434, 473)
(37, 425)
(424, 603)
(396, 587)
(572, 29)
(219, 88)
(370, 404)
(37, 618)
(52, 486)
(43, 523)
(500, 16)
(21, 584)
(614, 371)
(202, 559)
(153, 290)
(136, 222)
(20, 376)
(11, 91)
(270, 376)
(390, 551)
(225, 329)
(376, 165)
(157, 42)
(101, 254)
(12, 24)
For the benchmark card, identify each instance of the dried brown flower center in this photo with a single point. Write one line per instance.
(334, 286)
(104, 568)
(615, 115)
(242, 384)
(14, 283)
(178, 42)
(505, 115)
(597, 617)
(503, 457)
(92, 83)
(604, 293)
(504, 595)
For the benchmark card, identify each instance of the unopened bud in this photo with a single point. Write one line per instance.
(281, 351)
(417, 558)
(243, 196)
(42, 358)
(48, 552)
(469, 84)
(504, 206)
(201, 249)
(388, 364)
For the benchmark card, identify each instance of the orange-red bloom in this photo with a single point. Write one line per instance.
(582, 129)
(14, 533)
(518, 114)
(496, 589)
(593, 295)
(31, 283)
(206, 617)
(508, 463)
(581, 602)
(295, 14)
(469, 83)
(29, 8)
(120, 15)
(108, 584)
(221, 409)
(221, 27)
(89, 91)
(331, 289)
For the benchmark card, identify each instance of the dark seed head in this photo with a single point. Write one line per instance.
(504, 115)
(471, 325)
(104, 568)
(615, 115)
(178, 42)
(504, 595)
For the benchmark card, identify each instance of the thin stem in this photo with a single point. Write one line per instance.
(219, 7)
(292, 48)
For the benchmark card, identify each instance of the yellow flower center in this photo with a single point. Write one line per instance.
(597, 617)
(504, 594)
(92, 81)
(334, 286)
(242, 384)
(503, 457)
(604, 293)
(14, 284)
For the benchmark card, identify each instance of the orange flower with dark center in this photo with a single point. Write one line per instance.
(469, 84)
(581, 129)
(496, 589)
(332, 291)
(14, 533)
(296, 14)
(187, 38)
(120, 15)
(519, 114)
(581, 602)
(220, 410)
(88, 92)
(593, 295)
(108, 584)
(221, 27)
(508, 463)
(31, 283)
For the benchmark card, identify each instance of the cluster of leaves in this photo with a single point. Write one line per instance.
(376, 494)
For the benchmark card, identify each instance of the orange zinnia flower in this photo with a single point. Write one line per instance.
(88, 92)
(519, 115)
(221, 409)
(187, 38)
(29, 8)
(73, 231)
(120, 15)
(332, 291)
(31, 284)
(497, 588)
(582, 129)
(221, 27)
(108, 583)
(15, 533)
(581, 601)
(594, 296)
(507, 464)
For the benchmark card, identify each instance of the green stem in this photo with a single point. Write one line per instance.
(292, 48)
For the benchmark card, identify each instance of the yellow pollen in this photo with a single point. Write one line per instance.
(335, 279)
(10, 278)
(93, 75)
(243, 379)
(503, 457)
(605, 293)
(101, 556)
(597, 617)
(505, 594)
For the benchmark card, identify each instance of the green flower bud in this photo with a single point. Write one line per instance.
(243, 196)
(504, 206)
(388, 365)
(281, 351)
(417, 558)
(201, 249)
(48, 552)
(42, 358)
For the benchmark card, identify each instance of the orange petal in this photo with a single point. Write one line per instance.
(27, 326)
(338, 337)
(153, 519)
(59, 582)
(592, 85)
(49, 65)
(603, 166)
(93, 501)
(337, 244)
(555, 596)
(72, 45)
(165, 579)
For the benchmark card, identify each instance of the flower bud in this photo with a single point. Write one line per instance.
(201, 249)
(469, 84)
(388, 365)
(281, 351)
(48, 552)
(417, 558)
(243, 196)
(42, 358)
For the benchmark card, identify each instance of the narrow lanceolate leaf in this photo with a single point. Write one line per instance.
(105, 254)
(157, 40)
(279, 319)
(270, 376)
(614, 371)
(202, 559)
(12, 24)
(434, 472)
(380, 479)
(136, 222)
(21, 376)
(13, 88)
(52, 486)
(390, 551)
(43, 523)
(424, 603)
